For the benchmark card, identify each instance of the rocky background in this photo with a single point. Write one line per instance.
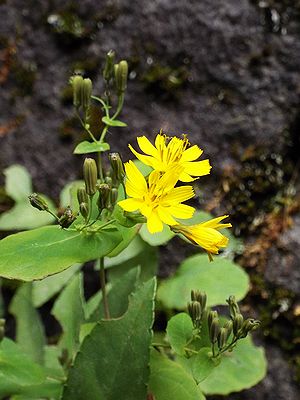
(226, 73)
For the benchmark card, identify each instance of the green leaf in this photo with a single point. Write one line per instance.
(30, 331)
(156, 239)
(113, 361)
(53, 367)
(219, 279)
(113, 122)
(240, 369)
(68, 309)
(128, 235)
(179, 332)
(90, 147)
(44, 290)
(137, 254)
(202, 364)
(21, 254)
(19, 375)
(22, 215)
(169, 380)
(118, 296)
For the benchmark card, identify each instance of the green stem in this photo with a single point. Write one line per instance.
(53, 214)
(229, 346)
(85, 128)
(120, 106)
(103, 289)
(90, 208)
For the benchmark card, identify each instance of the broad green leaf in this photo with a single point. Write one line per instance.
(179, 332)
(46, 251)
(118, 296)
(113, 361)
(90, 147)
(53, 367)
(128, 235)
(113, 122)
(19, 375)
(169, 380)
(202, 364)
(44, 290)
(30, 331)
(219, 279)
(22, 215)
(156, 239)
(68, 309)
(144, 169)
(238, 370)
(143, 255)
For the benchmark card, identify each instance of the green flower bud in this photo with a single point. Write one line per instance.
(2, 329)
(113, 197)
(86, 93)
(77, 82)
(121, 73)
(118, 171)
(222, 337)
(233, 307)
(67, 218)
(237, 323)
(249, 325)
(104, 196)
(38, 202)
(90, 176)
(228, 326)
(108, 180)
(210, 317)
(84, 209)
(195, 312)
(214, 330)
(82, 195)
(108, 70)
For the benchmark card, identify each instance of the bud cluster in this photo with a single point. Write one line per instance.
(196, 307)
(82, 92)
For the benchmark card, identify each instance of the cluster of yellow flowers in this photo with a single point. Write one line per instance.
(157, 198)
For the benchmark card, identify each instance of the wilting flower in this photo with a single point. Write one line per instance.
(158, 200)
(206, 234)
(171, 152)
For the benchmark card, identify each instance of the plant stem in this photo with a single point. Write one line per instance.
(103, 288)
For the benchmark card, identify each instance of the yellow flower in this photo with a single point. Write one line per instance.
(206, 234)
(171, 152)
(158, 200)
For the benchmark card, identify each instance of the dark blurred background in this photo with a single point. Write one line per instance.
(226, 72)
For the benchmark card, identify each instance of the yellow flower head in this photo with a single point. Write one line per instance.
(171, 152)
(206, 234)
(158, 200)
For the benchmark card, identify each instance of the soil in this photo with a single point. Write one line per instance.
(224, 72)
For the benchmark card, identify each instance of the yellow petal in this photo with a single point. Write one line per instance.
(146, 146)
(148, 160)
(197, 168)
(130, 204)
(160, 144)
(191, 154)
(182, 211)
(136, 178)
(178, 195)
(184, 177)
(154, 223)
(215, 223)
(165, 215)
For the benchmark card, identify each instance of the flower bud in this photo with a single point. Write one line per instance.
(113, 197)
(195, 312)
(82, 195)
(214, 330)
(222, 337)
(228, 326)
(233, 306)
(38, 202)
(90, 175)
(67, 218)
(210, 317)
(118, 172)
(108, 70)
(2, 329)
(104, 196)
(121, 73)
(77, 82)
(237, 323)
(249, 325)
(86, 93)
(84, 209)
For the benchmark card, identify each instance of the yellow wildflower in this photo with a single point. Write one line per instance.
(158, 200)
(206, 234)
(171, 152)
